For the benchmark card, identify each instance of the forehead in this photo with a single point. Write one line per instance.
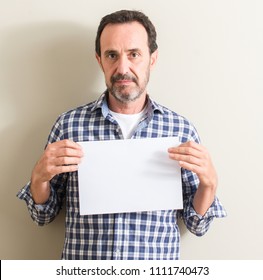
(124, 35)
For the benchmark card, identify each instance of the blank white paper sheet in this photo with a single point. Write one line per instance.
(131, 175)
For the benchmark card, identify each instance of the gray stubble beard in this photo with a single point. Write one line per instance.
(117, 92)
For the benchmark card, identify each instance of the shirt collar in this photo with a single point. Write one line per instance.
(102, 104)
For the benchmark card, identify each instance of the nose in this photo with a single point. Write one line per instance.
(123, 65)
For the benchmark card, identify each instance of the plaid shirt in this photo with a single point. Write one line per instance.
(143, 235)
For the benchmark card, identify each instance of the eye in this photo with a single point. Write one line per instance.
(134, 54)
(111, 55)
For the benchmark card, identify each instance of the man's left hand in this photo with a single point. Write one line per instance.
(195, 157)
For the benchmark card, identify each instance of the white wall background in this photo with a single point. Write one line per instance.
(209, 70)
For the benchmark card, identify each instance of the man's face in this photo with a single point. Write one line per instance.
(126, 60)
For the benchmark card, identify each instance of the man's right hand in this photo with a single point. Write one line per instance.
(58, 157)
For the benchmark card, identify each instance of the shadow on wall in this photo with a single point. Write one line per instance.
(45, 69)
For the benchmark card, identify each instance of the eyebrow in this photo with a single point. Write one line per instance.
(115, 51)
(109, 51)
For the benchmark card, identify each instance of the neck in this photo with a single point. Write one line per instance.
(131, 107)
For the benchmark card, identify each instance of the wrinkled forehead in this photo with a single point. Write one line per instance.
(130, 35)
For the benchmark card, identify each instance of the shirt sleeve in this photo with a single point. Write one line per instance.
(45, 213)
(196, 223)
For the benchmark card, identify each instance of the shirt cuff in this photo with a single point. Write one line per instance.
(25, 194)
(199, 224)
(216, 210)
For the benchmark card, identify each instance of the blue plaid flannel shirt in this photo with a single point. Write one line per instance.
(144, 235)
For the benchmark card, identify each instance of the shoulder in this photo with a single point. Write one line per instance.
(176, 122)
(85, 111)
(70, 124)
(76, 113)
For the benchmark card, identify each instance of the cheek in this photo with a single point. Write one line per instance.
(108, 75)
(142, 71)
(108, 72)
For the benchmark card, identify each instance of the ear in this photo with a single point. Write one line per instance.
(99, 61)
(154, 57)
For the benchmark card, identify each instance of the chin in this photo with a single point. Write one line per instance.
(127, 97)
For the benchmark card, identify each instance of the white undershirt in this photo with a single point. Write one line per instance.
(128, 122)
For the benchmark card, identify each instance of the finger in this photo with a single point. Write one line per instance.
(64, 148)
(186, 158)
(193, 145)
(185, 150)
(70, 144)
(191, 167)
(197, 150)
(69, 152)
(63, 169)
(64, 144)
(60, 161)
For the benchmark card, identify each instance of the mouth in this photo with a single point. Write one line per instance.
(123, 82)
